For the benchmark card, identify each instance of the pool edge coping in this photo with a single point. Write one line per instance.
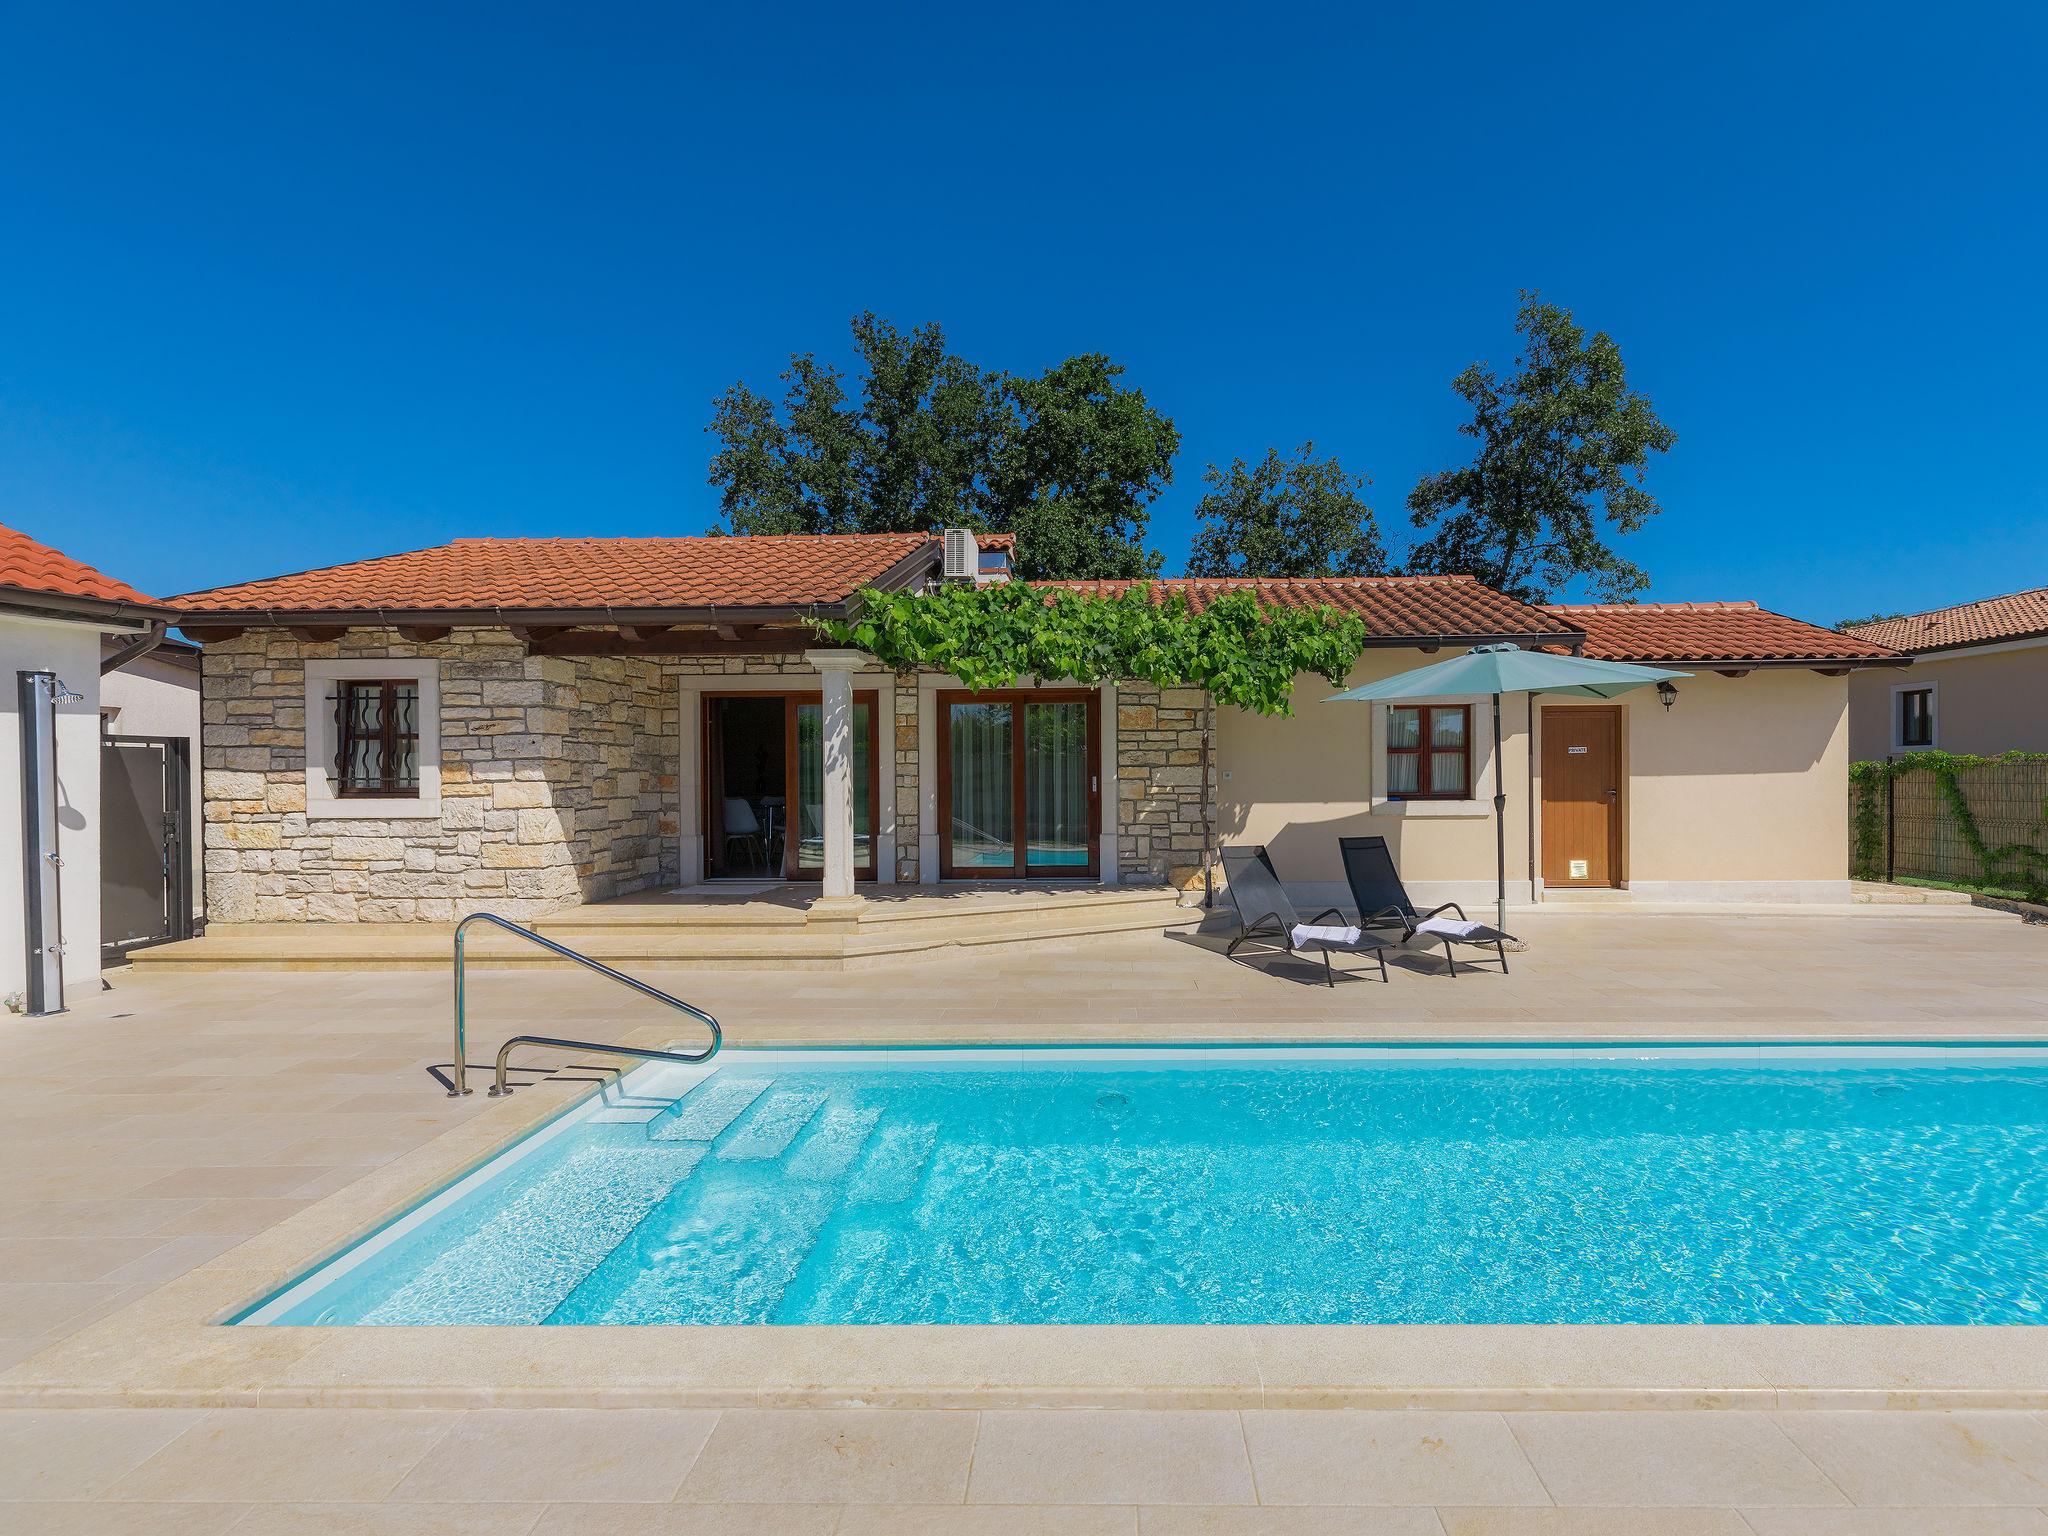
(170, 1349)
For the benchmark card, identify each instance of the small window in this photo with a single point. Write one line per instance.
(1916, 717)
(1429, 752)
(377, 738)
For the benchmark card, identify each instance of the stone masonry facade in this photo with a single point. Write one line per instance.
(559, 782)
(1162, 803)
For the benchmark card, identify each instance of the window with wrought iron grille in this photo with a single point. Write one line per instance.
(1429, 752)
(377, 737)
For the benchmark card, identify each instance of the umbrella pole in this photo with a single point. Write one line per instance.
(1500, 826)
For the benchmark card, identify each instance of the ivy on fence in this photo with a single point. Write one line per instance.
(2021, 864)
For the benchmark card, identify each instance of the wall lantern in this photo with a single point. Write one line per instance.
(1668, 692)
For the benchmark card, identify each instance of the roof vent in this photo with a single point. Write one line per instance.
(963, 555)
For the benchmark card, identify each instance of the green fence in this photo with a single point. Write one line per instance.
(1978, 822)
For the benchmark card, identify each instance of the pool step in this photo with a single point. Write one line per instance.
(527, 1259)
(776, 1121)
(708, 1109)
(894, 1166)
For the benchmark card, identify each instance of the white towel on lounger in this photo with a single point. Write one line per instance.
(1449, 927)
(1305, 934)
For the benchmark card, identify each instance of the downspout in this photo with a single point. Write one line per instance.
(1208, 803)
(137, 648)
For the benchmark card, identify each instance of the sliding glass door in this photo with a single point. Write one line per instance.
(1018, 784)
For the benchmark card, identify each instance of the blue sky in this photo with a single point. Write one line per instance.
(282, 286)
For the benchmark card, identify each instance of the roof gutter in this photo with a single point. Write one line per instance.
(136, 649)
(84, 609)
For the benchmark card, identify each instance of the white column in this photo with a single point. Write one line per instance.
(836, 669)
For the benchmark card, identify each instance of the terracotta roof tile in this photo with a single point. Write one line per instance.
(26, 566)
(1653, 632)
(584, 574)
(2017, 616)
(1393, 607)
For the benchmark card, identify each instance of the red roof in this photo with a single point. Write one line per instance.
(2017, 616)
(1653, 632)
(1393, 607)
(472, 575)
(29, 567)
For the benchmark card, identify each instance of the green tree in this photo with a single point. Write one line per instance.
(1845, 625)
(1563, 446)
(1298, 517)
(1069, 461)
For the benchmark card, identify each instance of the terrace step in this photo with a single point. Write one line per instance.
(671, 933)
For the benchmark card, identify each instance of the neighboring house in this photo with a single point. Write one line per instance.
(1978, 683)
(517, 725)
(56, 617)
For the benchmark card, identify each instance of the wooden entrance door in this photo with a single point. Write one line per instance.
(1582, 791)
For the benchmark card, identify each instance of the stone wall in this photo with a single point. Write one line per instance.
(909, 804)
(557, 785)
(1160, 798)
(559, 782)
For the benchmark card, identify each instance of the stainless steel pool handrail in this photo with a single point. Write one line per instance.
(460, 1084)
(645, 1053)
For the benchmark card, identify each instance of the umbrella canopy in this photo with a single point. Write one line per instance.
(1509, 669)
(1499, 669)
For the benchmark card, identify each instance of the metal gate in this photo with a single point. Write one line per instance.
(145, 844)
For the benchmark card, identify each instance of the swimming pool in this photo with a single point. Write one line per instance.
(1760, 1185)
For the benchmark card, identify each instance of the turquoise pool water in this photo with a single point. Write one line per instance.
(876, 1187)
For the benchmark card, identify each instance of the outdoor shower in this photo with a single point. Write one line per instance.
(42, 869)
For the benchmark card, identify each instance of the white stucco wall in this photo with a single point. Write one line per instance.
(1738, 793)
(72, 651)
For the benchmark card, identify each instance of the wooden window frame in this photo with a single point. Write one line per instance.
(1021, 868)
(389, 738)
(1423, 752)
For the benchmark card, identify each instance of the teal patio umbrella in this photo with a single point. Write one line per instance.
(1499, 669)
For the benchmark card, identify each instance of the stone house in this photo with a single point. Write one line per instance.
(521, 725)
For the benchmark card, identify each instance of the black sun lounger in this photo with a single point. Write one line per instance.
(1266, 916)
(1383, 904)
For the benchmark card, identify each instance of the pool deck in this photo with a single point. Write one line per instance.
(183, 1142)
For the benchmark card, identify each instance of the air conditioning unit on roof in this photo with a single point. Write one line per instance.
(963, 555)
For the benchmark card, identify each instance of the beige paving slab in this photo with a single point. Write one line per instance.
(690, 1520)
(1897, 1522)
(1350, 1456)
(1187, 1520)
(80, 1454)
(987, 1520)
(390, 1520)
(303, 1456)
(1926, 1459)
(1670, 1459)
(101, 1518)
(566, 1455)
(833, 1456)
(1110, 1456)
(1593, 1522)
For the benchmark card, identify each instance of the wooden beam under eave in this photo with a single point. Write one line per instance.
(646, 631)
(212, 634)
(676, 642)
(424, 634)
(1734, 671)
(314, 634)
(1832, 671)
